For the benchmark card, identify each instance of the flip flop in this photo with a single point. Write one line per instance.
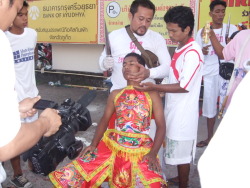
(201, 144)
(173, 181)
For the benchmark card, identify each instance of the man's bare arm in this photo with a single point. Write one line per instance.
(30, 133)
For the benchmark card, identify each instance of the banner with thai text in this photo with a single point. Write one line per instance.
(64, 21)
(115, 14)
(239, 11)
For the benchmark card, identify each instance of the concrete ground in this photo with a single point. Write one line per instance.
(96, 108)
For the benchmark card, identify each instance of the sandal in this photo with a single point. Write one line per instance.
(202, 144)
(173, 181)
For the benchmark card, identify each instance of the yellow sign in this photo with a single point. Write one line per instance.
(64, 21)
(115, 13)
(238, 9)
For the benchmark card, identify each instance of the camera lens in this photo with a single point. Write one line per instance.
(74, 150)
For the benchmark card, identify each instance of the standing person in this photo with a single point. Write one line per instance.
(232, 51)
(124, 156)
(140, 16)
(182, 92)
(15, 137)
(214, 85)
(219, 152)
(23, 42)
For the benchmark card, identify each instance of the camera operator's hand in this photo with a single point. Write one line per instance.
(51, 121)
(26, 107)
(89, 149)
(108, 62)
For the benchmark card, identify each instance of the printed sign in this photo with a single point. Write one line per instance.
(64, 21)
(239, 11)
(115, 13)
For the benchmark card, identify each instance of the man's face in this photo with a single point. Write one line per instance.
(21, 20)
(8, 13)
(130, 65)
(175, 32)
(140, 22)
(218, 14)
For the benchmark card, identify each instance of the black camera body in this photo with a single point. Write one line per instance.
(50, 151)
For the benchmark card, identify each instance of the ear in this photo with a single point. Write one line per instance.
(187, 29)
(130, 16)
(210, 13)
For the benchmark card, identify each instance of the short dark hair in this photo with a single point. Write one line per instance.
(181, 15)
(139, 58)
(143, 3)
(25, 4)
(217, 2)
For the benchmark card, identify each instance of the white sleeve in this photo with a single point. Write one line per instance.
(190, 71)
(10, 117)
(103, 55)
(162, 53)
(198, 38)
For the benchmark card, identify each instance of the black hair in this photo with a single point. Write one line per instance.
(181, 15)
(25, 4)
(143, 3)
(139, 58)
(217, 2)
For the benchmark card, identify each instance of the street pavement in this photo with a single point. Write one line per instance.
(96, 108)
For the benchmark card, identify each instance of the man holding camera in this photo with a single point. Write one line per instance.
(141, 15)
(15, 138)
(23, 43)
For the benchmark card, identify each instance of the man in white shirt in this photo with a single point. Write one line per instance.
(15, 137)
(23, 43)
(214, 84)
(141, 15)
(182, 93)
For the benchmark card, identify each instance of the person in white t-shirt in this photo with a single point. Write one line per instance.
(214, 85)
(182, 92)
(141, 15)
(23, 43)
(15, 137)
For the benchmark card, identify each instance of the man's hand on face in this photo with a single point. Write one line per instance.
(26, 107)
(141, 75)
(147, 86)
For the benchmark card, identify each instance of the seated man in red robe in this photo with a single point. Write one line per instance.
(124, 156)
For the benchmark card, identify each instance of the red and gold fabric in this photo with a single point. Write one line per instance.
(118, 157)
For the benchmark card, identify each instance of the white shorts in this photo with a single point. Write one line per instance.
(214, 86)
(179, 152)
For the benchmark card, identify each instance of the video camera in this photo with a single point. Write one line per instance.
(50, 151)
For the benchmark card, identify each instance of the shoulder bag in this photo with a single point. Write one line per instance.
(150, 58)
